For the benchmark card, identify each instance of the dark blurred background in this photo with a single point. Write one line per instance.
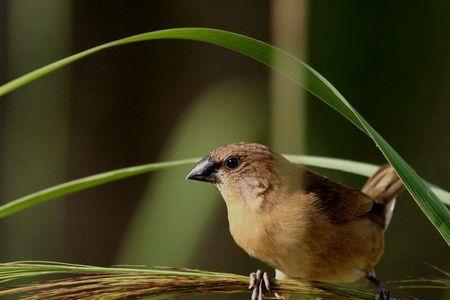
(166, 100)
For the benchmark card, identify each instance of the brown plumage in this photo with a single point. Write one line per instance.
(301, 223)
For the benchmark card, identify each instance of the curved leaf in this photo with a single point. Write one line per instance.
(300, 73)
(84, 183)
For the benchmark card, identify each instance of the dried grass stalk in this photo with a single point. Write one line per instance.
(89, 282)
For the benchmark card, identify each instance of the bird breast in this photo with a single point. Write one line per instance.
(273, 234)
(284, 236)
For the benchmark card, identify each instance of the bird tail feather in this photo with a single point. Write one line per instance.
(383, 187)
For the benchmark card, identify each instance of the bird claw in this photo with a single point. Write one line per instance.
(259, 282)
(383, 290)
(383, 294)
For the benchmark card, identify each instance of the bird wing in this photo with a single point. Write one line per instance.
(342, 203)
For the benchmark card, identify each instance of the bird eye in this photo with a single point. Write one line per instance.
(232, 162)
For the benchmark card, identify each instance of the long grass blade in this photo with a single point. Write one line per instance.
(82, 184)
(70, 187)
(297, 71)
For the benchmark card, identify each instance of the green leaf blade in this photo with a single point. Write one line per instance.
(77, 185)
(299, 72)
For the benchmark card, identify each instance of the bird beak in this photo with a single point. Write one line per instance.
(205, 170)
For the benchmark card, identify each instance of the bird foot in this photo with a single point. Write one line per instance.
(383, 294)
(383, 291)
(259, 282)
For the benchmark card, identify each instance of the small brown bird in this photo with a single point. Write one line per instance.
(305, 225)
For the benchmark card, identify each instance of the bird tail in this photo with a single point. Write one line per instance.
(383, 187)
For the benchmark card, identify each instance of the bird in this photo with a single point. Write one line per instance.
(304, 225)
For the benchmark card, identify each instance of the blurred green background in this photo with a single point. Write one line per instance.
(166, 100)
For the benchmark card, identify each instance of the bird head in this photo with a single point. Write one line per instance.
(242, 172)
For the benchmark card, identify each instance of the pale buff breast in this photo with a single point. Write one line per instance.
(301, 247)
(272, 238)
